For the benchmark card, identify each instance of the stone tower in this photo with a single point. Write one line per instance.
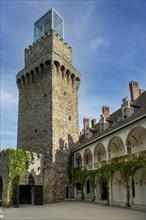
(48, 92)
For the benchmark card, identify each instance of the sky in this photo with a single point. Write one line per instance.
(109, 51)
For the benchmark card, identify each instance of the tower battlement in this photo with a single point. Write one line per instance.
(29, 76)
(50, 42)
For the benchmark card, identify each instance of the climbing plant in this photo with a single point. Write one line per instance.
(17, 165)
(70, 167)
(126, 167)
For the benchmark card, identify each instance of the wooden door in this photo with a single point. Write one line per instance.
(38, 195)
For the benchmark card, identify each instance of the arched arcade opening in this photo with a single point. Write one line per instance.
(102, 193)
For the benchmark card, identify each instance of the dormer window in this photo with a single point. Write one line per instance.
(125, 112)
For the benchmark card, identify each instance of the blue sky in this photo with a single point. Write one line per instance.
(108, 40)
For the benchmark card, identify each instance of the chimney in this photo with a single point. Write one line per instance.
(105, 111)
(134, 90)
(85, 123)
(93, 122)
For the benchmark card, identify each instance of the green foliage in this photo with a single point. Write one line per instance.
(82, 195)
(126, 167)
(17, 165)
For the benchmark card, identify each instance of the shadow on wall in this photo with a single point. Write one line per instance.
(56, 183)
(63, 151)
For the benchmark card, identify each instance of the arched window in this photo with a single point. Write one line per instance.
(78, 160)
(63, 71)
(19, 82)
(47, 63)
(27, 179)
(28, 78)
(42, 70)
(99, 155)
(23, 80)
(32, 75)
(37, 72)
(87, 157)
(73, 78)
(56, 63)
(68, 75)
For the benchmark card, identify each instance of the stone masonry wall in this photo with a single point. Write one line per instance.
(48, 109)
(48, 43)
(35, 115)
(4, 175)
(65, 111)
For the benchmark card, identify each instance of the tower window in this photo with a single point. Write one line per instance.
(45, 95)
(69, 118)
(44, 130)
(36, 130)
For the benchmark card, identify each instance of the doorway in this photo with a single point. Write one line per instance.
(26, 189)
(103, 194)
(67, 192)
(25, 194)
(104, 191)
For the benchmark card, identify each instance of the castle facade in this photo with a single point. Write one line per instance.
(52, 161)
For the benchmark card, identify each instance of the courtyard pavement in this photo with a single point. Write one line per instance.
(71, 211)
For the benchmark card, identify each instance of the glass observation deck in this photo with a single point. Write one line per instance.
(51, 20)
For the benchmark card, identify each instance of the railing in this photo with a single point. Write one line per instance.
(88, 166)
(126, 157)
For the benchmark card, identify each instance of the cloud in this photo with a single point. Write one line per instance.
(8, 97)
(99, 42)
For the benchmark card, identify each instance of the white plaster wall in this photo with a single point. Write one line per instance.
(123, 134)
(140, 187)
(119, 191)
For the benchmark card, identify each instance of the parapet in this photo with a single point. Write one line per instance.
(51, 42)
(35, 73)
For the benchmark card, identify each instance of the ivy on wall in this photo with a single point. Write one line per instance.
(126, 167)
(17, 165)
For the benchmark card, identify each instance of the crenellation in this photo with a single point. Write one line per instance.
(70, 48)
(31, 75)
(62, 40)
(43, 45)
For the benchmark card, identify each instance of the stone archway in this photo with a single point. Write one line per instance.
(29, 192)
(1, 190)
(136, 140)
(103, 194)
(115, 147)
